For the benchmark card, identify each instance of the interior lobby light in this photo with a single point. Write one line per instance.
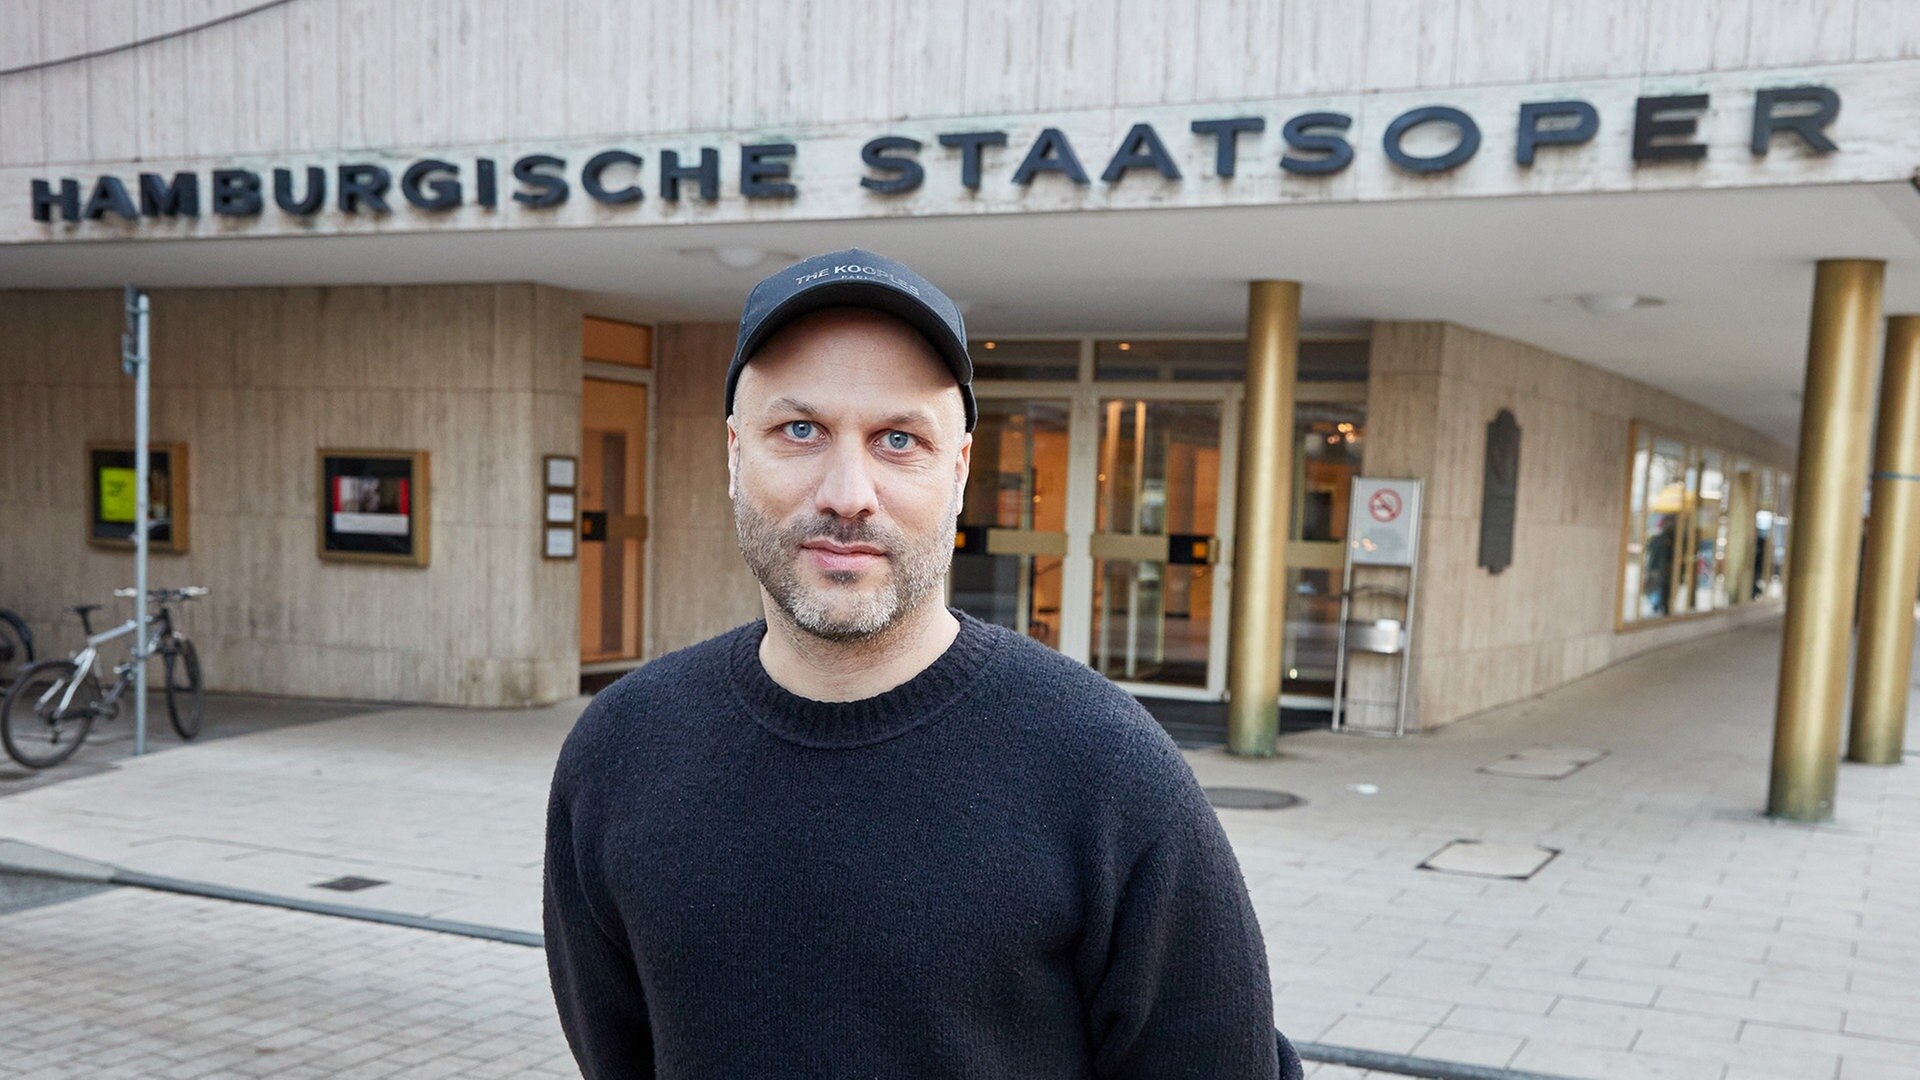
(986, 344)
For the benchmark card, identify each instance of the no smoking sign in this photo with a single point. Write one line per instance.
(1385, 533)
(1384, 505)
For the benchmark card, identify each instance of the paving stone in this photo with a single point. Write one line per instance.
(1468, 1047)
(1376, 1033)
(363, 1002)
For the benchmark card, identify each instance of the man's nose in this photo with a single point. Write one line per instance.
(847, 488)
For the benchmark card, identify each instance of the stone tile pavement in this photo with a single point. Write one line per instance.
(132, 984)
(227, 715)
(1676, 933)
(446, 805)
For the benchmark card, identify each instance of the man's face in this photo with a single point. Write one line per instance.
(846, 456)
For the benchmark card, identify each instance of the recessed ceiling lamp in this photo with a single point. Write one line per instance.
(739, 256)
(736, 257)
(1615, 303)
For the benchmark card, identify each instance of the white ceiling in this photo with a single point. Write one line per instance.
(1734, 268)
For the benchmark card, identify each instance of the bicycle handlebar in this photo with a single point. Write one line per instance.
(187, 592)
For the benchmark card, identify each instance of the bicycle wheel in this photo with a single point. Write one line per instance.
(16, 644)
(34, 729)
(186, 702)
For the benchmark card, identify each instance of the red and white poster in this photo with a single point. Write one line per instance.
(370, 505)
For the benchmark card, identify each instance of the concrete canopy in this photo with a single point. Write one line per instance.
(1733, 270)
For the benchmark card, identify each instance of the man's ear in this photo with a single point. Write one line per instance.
(962, 468)
(733, 459)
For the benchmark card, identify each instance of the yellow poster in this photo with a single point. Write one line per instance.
(116, 494)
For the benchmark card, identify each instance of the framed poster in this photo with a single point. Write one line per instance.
(561, 470)
(560, 508)
(110, 496)
(373, 506)
(559, 543)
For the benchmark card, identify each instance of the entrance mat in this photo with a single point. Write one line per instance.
(1202, 725)
(1475, 858)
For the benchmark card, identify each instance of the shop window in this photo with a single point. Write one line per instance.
(1705, 530)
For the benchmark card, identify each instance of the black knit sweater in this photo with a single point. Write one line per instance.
(1000, 869)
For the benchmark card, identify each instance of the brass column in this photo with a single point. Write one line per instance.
(1823, 550)
(1260, 518)
(1893, 558)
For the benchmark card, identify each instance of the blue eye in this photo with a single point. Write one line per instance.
(800, 429)
(899, 440)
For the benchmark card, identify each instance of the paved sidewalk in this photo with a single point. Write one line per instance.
(446, 806)
(111, 742)
(134, 985)
(1676, 933)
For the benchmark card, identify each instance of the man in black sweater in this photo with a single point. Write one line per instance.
(870, 835)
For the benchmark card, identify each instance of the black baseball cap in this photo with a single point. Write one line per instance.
(855, 278)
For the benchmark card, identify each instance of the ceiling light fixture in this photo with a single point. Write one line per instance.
(737, 257)
(1615, 303)
(740, 256)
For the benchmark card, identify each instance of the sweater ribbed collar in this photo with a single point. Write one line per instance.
(845, 724)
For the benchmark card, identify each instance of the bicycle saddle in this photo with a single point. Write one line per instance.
(83, 609)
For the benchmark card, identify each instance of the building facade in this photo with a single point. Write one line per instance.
(1553, 261)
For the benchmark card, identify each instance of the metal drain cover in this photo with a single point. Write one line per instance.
(349, 883)
(1475, 858)
(1251, 798)
(1544, 762)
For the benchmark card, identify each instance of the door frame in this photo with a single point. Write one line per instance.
(622, 373)
(1082, 396)
(1228, 395)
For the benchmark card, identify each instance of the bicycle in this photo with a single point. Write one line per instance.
(53, 703)
(16, 644)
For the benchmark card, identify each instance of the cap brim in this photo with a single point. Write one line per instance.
(881, 297)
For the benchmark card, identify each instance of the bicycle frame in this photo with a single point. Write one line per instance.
(84, 660)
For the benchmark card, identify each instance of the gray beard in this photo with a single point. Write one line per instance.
(915, 569)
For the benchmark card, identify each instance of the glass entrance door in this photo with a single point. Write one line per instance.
(1010, 549)
(1099, 509)
(1158, 519)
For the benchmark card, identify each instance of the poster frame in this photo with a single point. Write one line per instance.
(178, 487)
(559, 477)
(419, 507)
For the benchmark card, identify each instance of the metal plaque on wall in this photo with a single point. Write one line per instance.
(1499, 488)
